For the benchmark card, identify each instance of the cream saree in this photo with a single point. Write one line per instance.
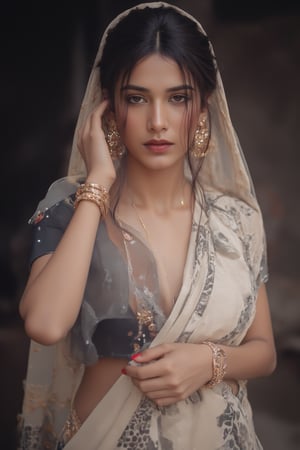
(211, 304)
(224, 267)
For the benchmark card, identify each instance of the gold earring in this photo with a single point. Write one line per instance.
(201, 139)
(113, 138)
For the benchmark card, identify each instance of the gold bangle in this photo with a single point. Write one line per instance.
(95, 193)
(96, 186)
(218, 364)
(87, 186)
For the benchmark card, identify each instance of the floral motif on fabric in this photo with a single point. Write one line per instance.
(30, 438)
(234, 422)
(240, 217)
(209, 282)
(137, 433)
(235, 433)
(202, 250)
(244, 319)
(37, 437)
(235, 429)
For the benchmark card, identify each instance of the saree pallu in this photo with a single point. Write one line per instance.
(223, 270)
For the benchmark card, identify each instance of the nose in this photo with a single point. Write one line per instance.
(157, 120)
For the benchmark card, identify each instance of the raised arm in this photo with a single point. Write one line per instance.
(54, 291)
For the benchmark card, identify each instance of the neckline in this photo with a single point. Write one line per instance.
(130, 233)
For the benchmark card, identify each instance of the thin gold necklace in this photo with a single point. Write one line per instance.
(181, 202)
(142, 223)
(162, 268)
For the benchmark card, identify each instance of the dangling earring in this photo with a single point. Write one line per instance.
(113, 138)
(201, 139)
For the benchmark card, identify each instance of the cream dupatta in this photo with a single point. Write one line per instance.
(49, 392)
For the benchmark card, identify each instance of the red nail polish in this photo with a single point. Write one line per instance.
(124, 371)
(135, 356)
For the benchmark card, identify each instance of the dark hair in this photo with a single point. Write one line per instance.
(135, 37)
(165, 31)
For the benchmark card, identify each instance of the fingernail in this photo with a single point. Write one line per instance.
(124, 371)
(135, 356)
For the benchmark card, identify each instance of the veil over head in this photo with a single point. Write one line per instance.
(224, 168)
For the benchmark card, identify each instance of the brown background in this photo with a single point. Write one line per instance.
(47, 51)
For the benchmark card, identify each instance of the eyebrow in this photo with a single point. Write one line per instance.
(133, 87)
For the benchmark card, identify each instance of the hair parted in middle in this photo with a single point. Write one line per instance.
(163, 31)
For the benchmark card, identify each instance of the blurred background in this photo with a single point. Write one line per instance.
(47, 52)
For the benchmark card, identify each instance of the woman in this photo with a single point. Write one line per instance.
(145, 301)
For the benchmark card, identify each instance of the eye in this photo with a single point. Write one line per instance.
(180, 98)
(135, 99)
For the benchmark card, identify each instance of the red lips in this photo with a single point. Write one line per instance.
(158, 142)
(158, 145)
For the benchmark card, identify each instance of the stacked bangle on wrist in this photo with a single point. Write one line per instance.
(218, 364)
(95, 193)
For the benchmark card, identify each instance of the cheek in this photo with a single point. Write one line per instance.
(133, 118)
(183, 136)
(133, 123)
(186, 129)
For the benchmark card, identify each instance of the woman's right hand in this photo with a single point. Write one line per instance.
(94, 150)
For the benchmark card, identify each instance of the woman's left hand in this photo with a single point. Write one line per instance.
(169, 373)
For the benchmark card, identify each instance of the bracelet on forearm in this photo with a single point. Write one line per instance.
(95, 193)
(218, 364)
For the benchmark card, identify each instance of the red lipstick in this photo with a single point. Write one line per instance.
(158, 145)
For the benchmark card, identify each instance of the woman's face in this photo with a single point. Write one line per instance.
(157, 112)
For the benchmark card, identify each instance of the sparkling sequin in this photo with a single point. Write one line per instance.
(123, 309)
(71, 426)
(40, 215)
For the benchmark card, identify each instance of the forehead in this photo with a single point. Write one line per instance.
(156, 72)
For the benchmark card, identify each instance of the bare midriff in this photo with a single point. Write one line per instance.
(96, 382)
(99, 378)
